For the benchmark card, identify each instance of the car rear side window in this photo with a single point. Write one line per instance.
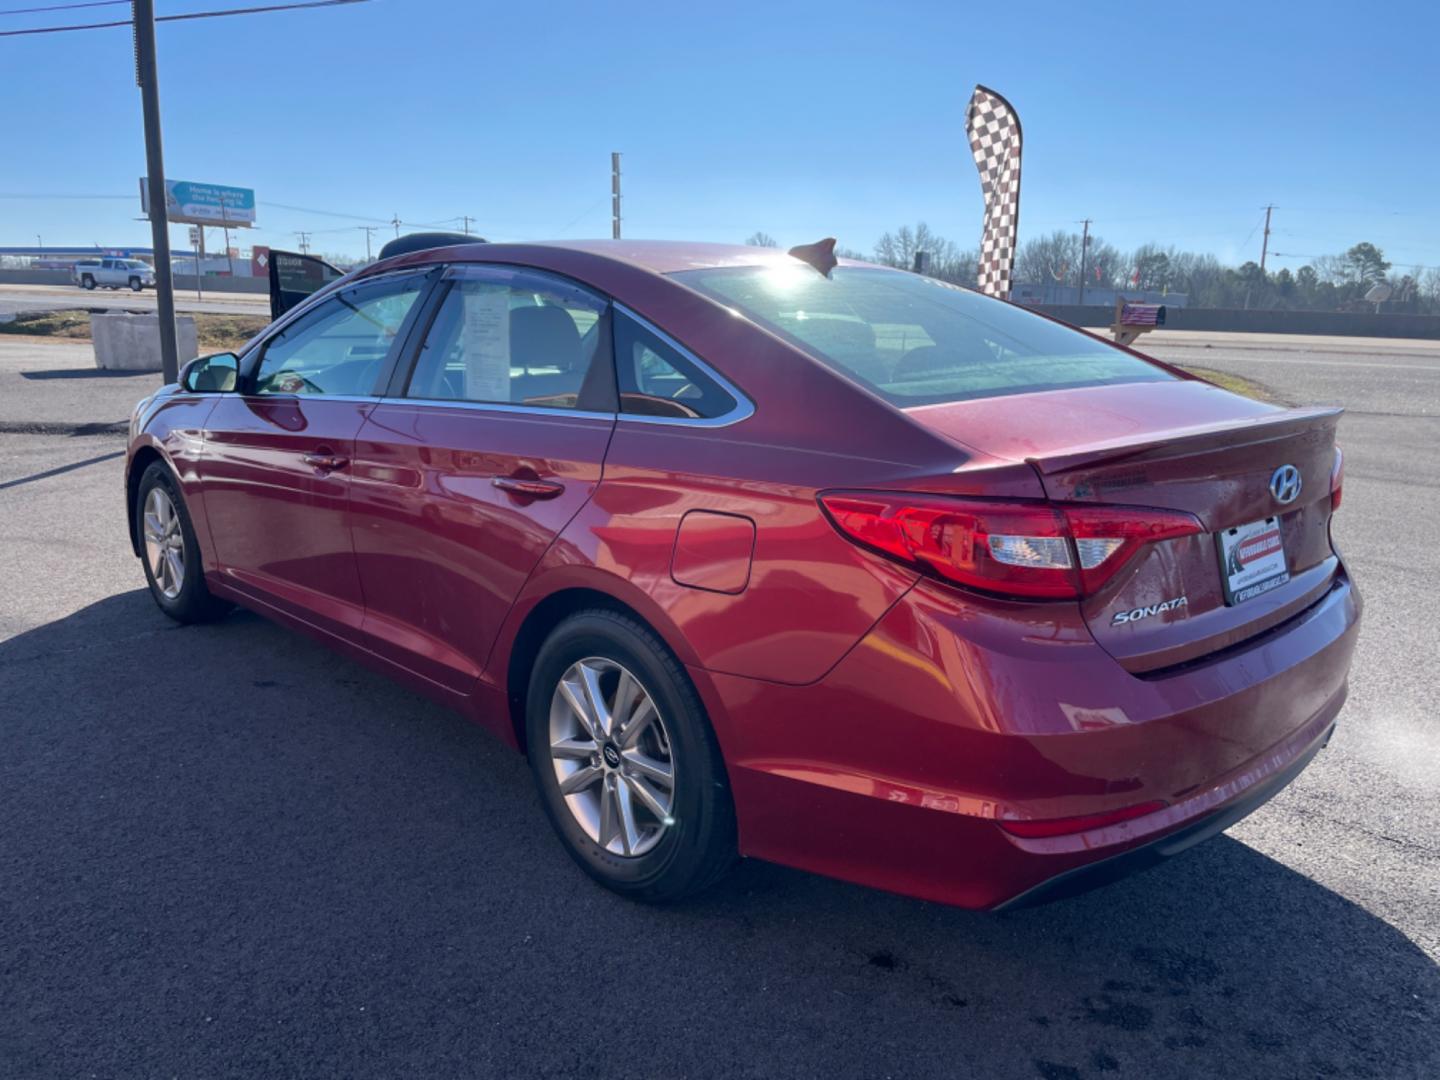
(917, 341)
(340, 345)
(516, 338)
(657, 379)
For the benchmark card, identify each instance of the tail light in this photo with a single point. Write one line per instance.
(1029, 550)
(1337, 479)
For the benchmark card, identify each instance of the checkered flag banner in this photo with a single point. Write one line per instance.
(995, 141)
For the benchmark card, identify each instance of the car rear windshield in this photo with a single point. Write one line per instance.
(915, 340)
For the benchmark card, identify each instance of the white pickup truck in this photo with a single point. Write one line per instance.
(113, 274)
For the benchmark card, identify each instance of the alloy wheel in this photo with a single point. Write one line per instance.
(164, 543)
(612, 756)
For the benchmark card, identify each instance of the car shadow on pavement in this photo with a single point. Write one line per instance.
(85, 373)
(227, 850)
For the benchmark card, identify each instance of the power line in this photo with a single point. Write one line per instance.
(63, 7)
(181, 18)
(50, 195)
(325, 213)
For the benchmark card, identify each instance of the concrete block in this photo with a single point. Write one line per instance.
(132, 342)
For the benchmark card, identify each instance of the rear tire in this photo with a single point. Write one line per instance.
(135, 285)
(663, 843)
(169, 551)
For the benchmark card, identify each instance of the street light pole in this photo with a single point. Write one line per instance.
(615, 196)
(146, 77)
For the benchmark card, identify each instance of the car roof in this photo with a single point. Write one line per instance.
(669, 256)
(657, 256)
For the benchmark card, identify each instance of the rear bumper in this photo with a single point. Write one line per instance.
(1092, 876)
(895, 770)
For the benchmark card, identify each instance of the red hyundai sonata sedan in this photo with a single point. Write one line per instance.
(854, 571)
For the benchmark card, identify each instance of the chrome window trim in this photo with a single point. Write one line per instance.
(370, 398)
(493, 406)
(744, 407)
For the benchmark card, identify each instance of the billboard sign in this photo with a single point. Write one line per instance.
(192, 203)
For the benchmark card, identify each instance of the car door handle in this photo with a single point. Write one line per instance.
(528, 487)
(325, 462)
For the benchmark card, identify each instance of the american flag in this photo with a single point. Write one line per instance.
(1142, 315)
(994, 131)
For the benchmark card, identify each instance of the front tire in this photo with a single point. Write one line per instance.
(627, 766)
(170, 552)
(88, 282)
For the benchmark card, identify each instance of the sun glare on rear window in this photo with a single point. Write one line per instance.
(915, 340)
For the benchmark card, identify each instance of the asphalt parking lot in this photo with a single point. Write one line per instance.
(225, 851)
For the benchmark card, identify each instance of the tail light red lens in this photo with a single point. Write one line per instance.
(1028, 550)
(1108, 537)
(1337, 480)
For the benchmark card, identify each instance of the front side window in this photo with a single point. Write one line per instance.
(339, 347)
(917, 341)
(517, 338)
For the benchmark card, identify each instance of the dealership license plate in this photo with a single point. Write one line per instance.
(1252, 560)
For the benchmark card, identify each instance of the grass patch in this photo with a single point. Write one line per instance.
(216, 333)
(1236, 384)
(73, 325)
(226, 333)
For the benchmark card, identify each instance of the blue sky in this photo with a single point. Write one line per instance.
(1173, 123)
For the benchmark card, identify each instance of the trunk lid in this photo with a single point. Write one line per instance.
(1185, 446)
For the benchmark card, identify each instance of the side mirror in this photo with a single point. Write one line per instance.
(217, 373)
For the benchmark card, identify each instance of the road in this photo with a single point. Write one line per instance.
(225, 851)
(18, 298)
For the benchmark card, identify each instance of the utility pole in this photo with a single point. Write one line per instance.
(615, 195)
(368, 230)
(395, 220)
(1084, 251)
(147, 79)
(38, 242)
(304, 242)
(465, 226)
(1265, 242)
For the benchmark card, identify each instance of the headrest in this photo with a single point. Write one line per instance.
(544, 337)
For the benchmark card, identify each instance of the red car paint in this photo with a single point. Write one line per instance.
(878, 724)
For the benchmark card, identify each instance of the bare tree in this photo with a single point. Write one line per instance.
(1430, 285)
(1332, 269)
(1050, 260)
(1151, 265)
(948, 261)
(761, 239)
(899, 248)
(1057, 260)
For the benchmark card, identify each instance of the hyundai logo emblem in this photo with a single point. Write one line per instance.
(1285, 484)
